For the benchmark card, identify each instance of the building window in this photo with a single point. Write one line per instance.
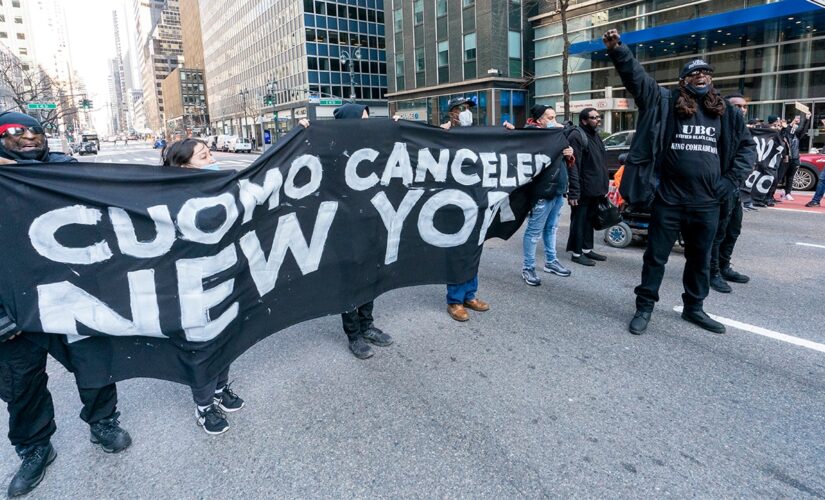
(21, 36)
(398, 18)
(419, 67)
(468, 3)
(440, 8)
(15, 3)
(470, 47)
(3, 34)
(399, 72)
(24, 51)
(418, 11)
(443, 61)
(18, 20)
(514, 52)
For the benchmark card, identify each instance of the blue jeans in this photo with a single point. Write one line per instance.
(462, 292)
(544, 221)
(820, 188)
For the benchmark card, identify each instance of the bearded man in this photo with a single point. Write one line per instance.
(694, 152)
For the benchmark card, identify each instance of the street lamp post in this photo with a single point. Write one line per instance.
(346, 59)
(243, 94)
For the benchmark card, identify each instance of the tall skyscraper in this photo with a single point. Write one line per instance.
(118, 99)
(159, 51)
(298, 51)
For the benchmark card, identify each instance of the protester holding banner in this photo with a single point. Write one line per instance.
(462, 296)
(216, 398)
(730, 226)
(781, 167)
(548, 198)
(23, 385)
(358, 323)
(696, 153)
(589, 184)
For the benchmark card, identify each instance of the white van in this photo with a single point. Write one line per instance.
(240, 145)
(222, 143)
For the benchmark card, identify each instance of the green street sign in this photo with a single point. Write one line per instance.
(330, 102)
(41, 105)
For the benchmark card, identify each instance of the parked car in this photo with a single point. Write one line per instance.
(240, 145)
(810, 167)
(616, 145)
(89, 144)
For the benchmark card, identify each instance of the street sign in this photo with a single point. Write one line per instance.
(41, 105)
(330, 102)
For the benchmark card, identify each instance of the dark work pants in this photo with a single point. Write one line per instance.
(205, 394)
(793, 166)
(581, 227)
(358, 320)
(23, 381)
(698, 227)
(780, 174)
(730, 226)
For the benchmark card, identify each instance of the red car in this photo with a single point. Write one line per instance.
(810, 167)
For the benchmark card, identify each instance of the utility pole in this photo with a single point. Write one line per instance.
(243, 96)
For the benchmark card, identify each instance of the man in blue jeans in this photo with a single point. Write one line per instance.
(820, 190)
(548, 192)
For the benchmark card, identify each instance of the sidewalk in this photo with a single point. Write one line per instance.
(800, 198)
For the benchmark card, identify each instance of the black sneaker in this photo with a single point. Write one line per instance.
(109, 435)
(583, 260)
(638, 324)
(730, 275)
(227, 400)
(376, 336)
(759, 204)
(360, 349)
(747, 206)
(530, 277)
(700, 318)
(812, 204)
(595, 256)
(212, 419)
(770, 203)
(32, 470)
(720, 285)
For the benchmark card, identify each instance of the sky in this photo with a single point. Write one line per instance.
(92, 43)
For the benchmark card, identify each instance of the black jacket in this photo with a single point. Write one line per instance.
(588, 176)
(794, 137)
(655, 126)
(51, 158)
(550, 183)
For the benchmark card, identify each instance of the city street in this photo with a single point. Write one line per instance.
(545, 395)
(142, 153)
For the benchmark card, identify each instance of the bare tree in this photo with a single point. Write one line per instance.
(22, 84)
(561, 7)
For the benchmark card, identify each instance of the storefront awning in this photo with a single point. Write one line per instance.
(726, 24)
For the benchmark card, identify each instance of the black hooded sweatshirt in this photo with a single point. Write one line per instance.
(350, 111)
(39, 156)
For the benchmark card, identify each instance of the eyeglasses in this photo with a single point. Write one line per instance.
(698, 72)
(597, 117)
(17, 131)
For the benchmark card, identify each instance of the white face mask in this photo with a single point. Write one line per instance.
(211, 166)
(465, 118)
(552, 123)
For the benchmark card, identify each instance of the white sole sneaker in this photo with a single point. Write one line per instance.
(201, 421)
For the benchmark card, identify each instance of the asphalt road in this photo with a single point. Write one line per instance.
(546, 395)
(142, 153)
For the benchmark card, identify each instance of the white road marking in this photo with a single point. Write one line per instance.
(816, 346)
(810, 245)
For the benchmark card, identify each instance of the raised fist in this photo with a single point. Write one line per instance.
(612, 39)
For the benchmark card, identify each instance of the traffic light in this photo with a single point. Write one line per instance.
(86, 104)
(269, 100)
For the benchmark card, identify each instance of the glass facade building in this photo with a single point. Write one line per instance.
(297, 45)
(771, 52)
(440, 49)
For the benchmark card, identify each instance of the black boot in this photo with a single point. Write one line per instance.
(376, 336)
(700, 318)
(360, 349)
(730, 275)
(639, 322)
(720, 285)
(109, 435)
(32, 470)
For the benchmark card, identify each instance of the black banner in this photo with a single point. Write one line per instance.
(769, 151)
(172, 273)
